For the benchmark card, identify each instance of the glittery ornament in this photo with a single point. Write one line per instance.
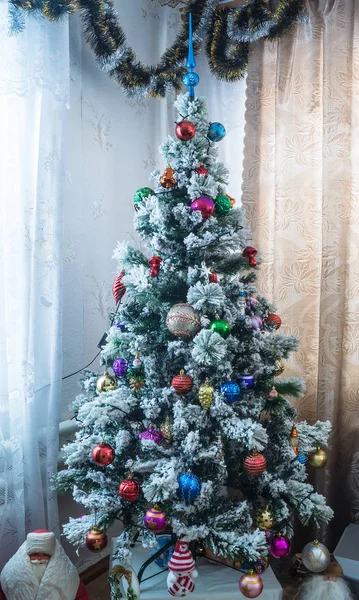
(279, 367)
(120, 367)
(293, 438)
(118, 288)
(183, 320)
(251, 585)
(206, 395)
(167, 180)
(317, 458)
(141, 194)
(221, 327)
(155, 519)
(96, 540)
(273, 319)
(256, 323)
(265, 518)
(106, 383)
(189, 487)
(216, 132)
(212, 277)
(129, 489)
(246, 381)
(155, 263)
(222, 205)
(250, 252)
(232, 200)
(185, 130)
(302, 458)
(201, 170)
(315, 557)
(255, 463)
(166, 429)
(205, 206)
(231, 391)
(151, 434)
(182, 383)
(103, 454)
(279, 546)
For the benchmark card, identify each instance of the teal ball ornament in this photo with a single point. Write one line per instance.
(231, 391)
(189, 487)
(221, 327)
(222, 205)
(141, 194)
(216, 132)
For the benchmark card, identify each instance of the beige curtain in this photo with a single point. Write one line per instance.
(300, 192)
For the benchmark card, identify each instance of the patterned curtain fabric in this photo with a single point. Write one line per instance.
(300, 192)
(34, 77)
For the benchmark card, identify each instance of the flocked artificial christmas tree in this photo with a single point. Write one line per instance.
(190, 425)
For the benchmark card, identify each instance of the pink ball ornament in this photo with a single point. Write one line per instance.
(204, 205)
(251, 585)
(279, 546)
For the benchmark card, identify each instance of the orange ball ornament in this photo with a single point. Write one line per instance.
(129, 489)
(255, 464)
(96, 540)
(182, 383)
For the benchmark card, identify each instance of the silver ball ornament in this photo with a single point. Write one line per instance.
(315, 557)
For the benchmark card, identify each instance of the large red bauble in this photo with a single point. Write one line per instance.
(118, 288)
(274, 319)
(182, 383)
(96, 540)
(103, 454)
(255, 464)
(250, 252)
(185, 130)
(129, 489)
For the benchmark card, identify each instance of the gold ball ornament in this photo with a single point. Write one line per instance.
(279, 367)
(315, 557)
(318, 458)
(206, 395)
(265, 518)
(293, 438)
(106, 383)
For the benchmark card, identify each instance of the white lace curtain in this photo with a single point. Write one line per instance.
(34, 75)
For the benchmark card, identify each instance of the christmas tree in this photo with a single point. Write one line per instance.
(191, 424)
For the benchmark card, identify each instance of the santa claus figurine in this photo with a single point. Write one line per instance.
(40, 570)
(182, 570)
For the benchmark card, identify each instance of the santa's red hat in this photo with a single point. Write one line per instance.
(41, 541)
(182, 559)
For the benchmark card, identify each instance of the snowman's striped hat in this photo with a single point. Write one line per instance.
(182, 559)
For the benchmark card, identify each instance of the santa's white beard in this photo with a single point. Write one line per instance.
(38, 568)
(320, 588)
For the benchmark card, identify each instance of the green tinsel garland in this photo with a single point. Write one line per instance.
(228, 38)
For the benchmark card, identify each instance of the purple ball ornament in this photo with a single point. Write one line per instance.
(279, 546)
(120, 367)
(205, 205)
(152, 434)
(155, 519)
(256, 323)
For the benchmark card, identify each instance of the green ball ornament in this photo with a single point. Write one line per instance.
(221, 327)
(141, 194)
(222, 205)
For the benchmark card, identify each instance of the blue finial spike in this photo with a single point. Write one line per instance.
(190, 79)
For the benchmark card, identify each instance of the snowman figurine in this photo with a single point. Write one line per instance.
(182, 570)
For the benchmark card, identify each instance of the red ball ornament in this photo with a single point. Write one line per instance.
(185, 130)
(129, 489)
(182, 383)
(155, 263)
(201, 170)
(273, 319)
(118, 288)
(255, 464)
(96, 540)
(213, 277)
(103, 454)
(250, 252)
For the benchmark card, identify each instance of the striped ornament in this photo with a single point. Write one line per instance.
(118, 288)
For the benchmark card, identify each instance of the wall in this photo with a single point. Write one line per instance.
(111, 149)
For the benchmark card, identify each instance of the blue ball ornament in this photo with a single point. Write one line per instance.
(216, 132)
(231, 390)
(246, 381)
(164, 558)
(190, 79)
(302, 458)
(189, 487)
